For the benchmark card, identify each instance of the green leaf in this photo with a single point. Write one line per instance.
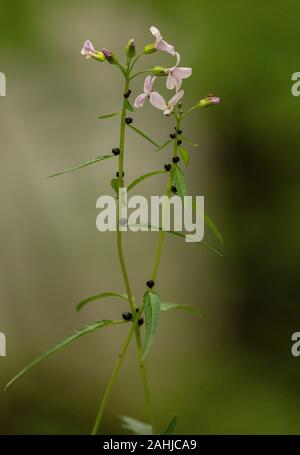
(141, 133)
(164, 145)
(187, 141)
(128, 105)
(87, 163)
(179, 181)
(171, 427)
(184, 155)
(114, 114)
(179, 234)
(100, 296)
(177, 306)
(212, 226)
(143, 177)
(136, 426)
(115, 184)
(66, 341)
(210, 223)
(151, 311)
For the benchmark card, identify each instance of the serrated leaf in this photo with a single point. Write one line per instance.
(164, 306)
(136, 426)
(66, 341)
(113, 114)
(143, 177)
(141, 133)
(179, 181)
(171, 427)
(115, 184)
(100, 296)
(79, 166)
(184, 155)
(128, 105)
(152, 312)
(164, 145)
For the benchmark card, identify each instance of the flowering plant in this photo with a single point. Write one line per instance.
(151, 304)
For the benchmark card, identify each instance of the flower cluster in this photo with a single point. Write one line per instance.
(175, 75)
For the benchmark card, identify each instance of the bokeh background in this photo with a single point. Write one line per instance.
(231, 372)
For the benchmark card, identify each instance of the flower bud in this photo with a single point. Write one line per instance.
(130, 48)
(209, 101)
(99, 56)
(149, 48)
(109, 56)
(159, 71)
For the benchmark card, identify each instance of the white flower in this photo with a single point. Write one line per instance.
(88, 49)
(140, 99)
(176, 74)
(160, 43)
(159, 102)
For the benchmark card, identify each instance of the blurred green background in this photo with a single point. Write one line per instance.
(231, 372)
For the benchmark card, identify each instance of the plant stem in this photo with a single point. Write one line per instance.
(124, 270)
(114, 374)
(135, 328)
(161, 239)
(144, 378)
(189, 111)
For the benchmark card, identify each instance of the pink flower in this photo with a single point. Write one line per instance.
(210, 100)
(88, 50)
(215, 100)
(176, 74)
(159, 102)
(140, 99)
(160, 43)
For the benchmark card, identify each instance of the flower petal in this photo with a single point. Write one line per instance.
(177, 59)
(182, 72)
(170, 83)
(147, 84)
(158, 101)
(215, 100)
(87, 48)
(156, 33)
(174, 100)
(165, 47)
(140, 100)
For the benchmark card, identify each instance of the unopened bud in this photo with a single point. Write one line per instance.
(99, 56)
(130, 48)
(149, 48)
(109, 56)
(209, 101)
(159, 71)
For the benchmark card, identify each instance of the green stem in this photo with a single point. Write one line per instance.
(161, 239)
(135, 328)
(115, 374)
(139, 73)
(144, 378)
(189, 111)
